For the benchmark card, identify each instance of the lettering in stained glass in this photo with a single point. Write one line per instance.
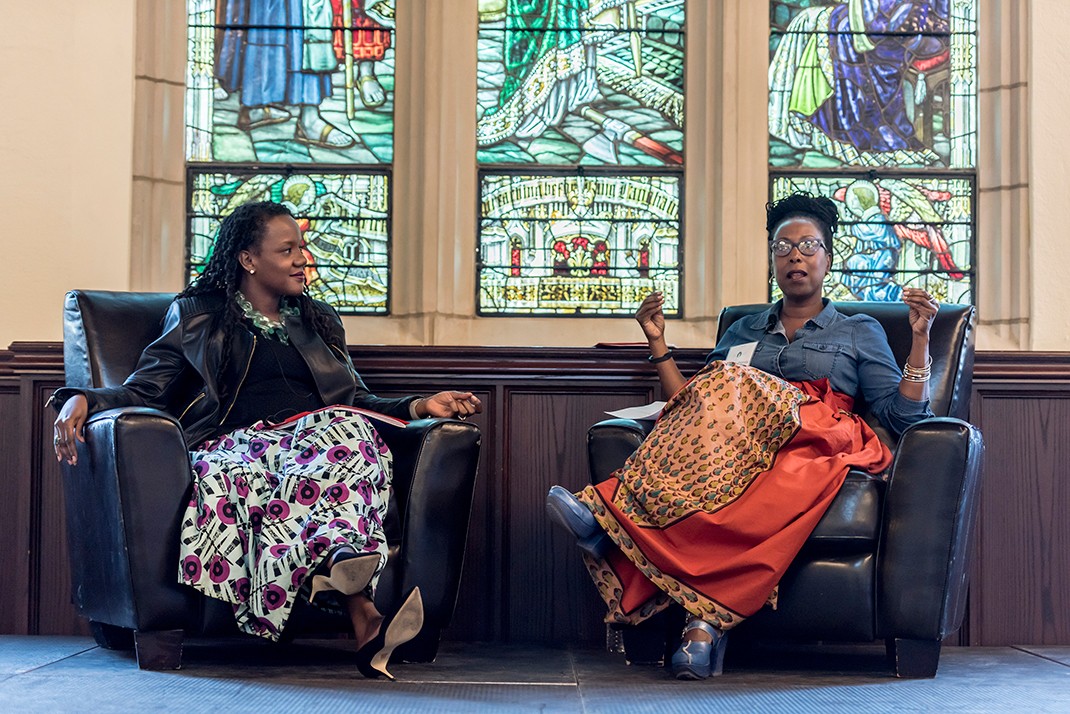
(895, 233)
(880, 83)
(344, 219)
(578, 245)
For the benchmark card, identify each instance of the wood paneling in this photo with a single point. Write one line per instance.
(550, 597)
(1021, 590)
(14, 510)
(523, 581)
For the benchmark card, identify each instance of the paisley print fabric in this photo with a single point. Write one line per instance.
(269, 503)
(720, 497)
(714, 438)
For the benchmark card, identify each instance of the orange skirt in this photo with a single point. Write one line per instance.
(720, 497)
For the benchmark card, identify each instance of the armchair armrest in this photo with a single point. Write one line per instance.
(929, 514)
(435, 464)
(611, 442)
(125, 499)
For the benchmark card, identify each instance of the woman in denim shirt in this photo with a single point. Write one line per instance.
(747, 455)
(802, 337)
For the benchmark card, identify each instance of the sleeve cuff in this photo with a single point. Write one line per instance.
(61, 395)
(412, 408)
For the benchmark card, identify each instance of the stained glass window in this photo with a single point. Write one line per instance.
(277, 84)
(578, 245)
(895, 233)
(344, 220)
(889, 86)
(594, 90)
(873, 83)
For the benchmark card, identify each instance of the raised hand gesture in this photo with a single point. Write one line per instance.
(923, 309)
(651, 318)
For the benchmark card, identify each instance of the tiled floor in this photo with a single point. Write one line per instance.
(49, 674)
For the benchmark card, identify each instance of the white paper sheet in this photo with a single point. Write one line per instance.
(646, 412)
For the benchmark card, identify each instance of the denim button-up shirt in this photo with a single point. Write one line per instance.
(851, 352)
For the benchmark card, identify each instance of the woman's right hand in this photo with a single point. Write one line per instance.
(651, 318)
(68, 428)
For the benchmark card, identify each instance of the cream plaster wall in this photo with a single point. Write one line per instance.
(1049, 173)
(1003, 198)
(65, 156)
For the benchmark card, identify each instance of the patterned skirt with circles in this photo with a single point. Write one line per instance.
(269, 503)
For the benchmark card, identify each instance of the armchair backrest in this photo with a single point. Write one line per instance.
(105, 332)
(950, 344)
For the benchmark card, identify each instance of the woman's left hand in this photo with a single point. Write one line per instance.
(923, 309)
(450, 404)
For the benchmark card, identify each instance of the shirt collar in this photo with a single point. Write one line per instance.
(767, 319)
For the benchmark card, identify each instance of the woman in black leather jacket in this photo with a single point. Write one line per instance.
(290, 484)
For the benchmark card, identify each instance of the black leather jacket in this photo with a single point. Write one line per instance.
(179, 372)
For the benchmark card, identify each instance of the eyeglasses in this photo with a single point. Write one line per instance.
(807, 246)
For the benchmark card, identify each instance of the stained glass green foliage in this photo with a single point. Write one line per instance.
(290, 81)
(344, 220)
(581, 82)
(880, 83)
(896, 233)
(576, 245)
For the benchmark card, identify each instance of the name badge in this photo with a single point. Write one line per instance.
(741, 354)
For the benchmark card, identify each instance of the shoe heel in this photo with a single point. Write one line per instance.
(348, 577)
(717, 656)
(406, 624)
(696, 659)
(596, 545)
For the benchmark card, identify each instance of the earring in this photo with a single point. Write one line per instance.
(251, 271)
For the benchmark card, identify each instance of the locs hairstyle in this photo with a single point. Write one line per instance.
(818, 209)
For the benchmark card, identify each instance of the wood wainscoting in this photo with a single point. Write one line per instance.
(523, 580)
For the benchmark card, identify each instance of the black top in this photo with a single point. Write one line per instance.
(278, 385)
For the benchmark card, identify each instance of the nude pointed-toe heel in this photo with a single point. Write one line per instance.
(404, 625)
(348, 577)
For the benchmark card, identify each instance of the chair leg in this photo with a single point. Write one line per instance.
(655, 639)
(643, 645)
(913, 659)
(159, 650)
(422, 648)
(111, 637)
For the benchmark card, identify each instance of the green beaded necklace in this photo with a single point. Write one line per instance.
(275, 329)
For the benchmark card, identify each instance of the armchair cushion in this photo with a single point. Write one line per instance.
(852, 522)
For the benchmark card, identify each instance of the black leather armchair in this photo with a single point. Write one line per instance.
(889, 558)
(126, 496)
